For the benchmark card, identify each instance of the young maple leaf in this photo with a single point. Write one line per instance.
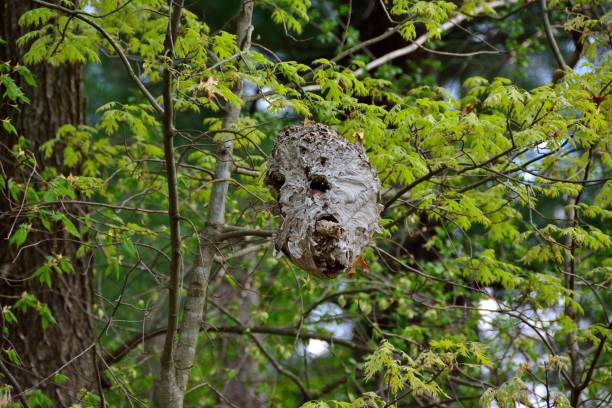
(209, 85)
(358, 135)
(358, 262)
(467, 109)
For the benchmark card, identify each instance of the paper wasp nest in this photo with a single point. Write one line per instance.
(326, 192)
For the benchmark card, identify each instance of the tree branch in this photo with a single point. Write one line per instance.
(244, 233)
(570, 283)
(551, 38)
(238, 254)
(432, 173)
(288, 332)
(122, 351)
(195, 304)
(171, 394)
(423, 38)
(103, 205)
(331, 296)
(366, 43)
(591, 370)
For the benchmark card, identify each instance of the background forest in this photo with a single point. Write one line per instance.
(136, 232)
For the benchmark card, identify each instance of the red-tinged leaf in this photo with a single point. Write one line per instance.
(211, 82)
(359, 135)
(358, 262)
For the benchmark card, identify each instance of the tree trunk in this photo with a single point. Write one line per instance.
(65, 346)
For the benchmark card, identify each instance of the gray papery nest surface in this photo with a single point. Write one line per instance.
(327, 194)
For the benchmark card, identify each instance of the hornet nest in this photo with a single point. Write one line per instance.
(326, 192)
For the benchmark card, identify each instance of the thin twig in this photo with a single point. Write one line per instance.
(20, 395)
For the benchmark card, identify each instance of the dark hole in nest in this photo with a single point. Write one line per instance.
(328, 218)
(276, 181)
(319, 183)
(327, 264)
(325, 244)
(334, 269)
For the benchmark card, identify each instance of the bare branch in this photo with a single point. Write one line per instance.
(238, 254)
(458, 54)
(366, 43)
(423, 38)
(551, 37)
(119, 353)
(103, 205)
(245, 233)
(246, 172)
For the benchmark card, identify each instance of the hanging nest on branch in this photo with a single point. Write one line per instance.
(326, 192)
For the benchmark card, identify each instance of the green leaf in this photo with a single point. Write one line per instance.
(113, 268)
(13, 356)
(60, 378)
(26, 301)
(70, 227)
(230, 280)
(8, 316)
(224, 44)
(46, 317)
(65, 265)
(43, 274)
(26, 74)
(83, 249)
(408, 31)
(12, 91)
(44, 220)
(36, 17)
(8, 126)
(128, 246)
(20, 235)
(71, 156)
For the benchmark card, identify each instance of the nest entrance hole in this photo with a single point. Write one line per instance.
(319, 183)
(327, 234)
